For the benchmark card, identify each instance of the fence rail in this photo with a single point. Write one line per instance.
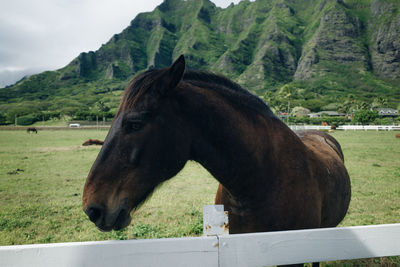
(41, 128)
(257, 249)
(293, 127)
(348, 127)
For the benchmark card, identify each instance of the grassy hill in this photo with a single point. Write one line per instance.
(341, 54)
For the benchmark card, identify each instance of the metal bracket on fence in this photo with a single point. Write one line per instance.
(215, 220)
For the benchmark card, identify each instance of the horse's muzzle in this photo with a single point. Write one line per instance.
(107, 221)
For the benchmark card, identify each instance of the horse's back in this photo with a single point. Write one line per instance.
(331, 173)
(317, 140)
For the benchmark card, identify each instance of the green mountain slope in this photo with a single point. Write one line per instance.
(311, 53)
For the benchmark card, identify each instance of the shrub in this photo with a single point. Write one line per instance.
(365, 116)
(27, 120)
(384, 121)
(3, 119)
(300, 112)
(318, 121)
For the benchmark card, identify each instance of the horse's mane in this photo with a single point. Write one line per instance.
(229, 89)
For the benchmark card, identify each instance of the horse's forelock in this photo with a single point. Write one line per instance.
(137, 88)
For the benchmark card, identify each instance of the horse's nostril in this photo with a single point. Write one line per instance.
(94, 213)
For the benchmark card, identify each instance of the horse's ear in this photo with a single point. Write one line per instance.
(170, 77)
(175, 72)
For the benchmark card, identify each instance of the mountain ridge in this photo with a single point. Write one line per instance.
(311, 53)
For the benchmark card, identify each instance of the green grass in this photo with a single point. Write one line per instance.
(373, 161)
(41, 181)
(42, 177)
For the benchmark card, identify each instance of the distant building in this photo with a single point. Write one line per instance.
(326, 113)
(387, 112)
(283, 115)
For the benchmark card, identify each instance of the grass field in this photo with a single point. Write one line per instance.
(42, 177)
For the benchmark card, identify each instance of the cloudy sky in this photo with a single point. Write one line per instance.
(38, 35)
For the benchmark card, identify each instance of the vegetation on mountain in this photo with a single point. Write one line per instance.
(314, 54)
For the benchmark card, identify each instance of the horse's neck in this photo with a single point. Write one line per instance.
(239, 148)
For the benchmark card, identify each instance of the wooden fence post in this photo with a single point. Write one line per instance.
(215, 220)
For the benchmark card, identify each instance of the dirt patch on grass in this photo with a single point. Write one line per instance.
(60, 149)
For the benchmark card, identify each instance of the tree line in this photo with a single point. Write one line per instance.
(29, 119)
(286, 99)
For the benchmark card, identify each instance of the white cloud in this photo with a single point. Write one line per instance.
(48, 34)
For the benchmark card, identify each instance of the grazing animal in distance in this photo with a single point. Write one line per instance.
(31, 130)
(90, 142)
(271, 178)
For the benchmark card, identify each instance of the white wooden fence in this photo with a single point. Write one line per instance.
(258, 249)
(348, 127)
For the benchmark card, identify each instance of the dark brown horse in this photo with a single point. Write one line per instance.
(90, 142)
(31, 129)
(270, 177)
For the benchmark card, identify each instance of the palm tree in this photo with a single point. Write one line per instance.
(379, 102)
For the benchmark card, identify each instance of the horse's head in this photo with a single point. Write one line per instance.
(145, 146)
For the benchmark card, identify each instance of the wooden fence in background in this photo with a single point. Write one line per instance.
(348, 127)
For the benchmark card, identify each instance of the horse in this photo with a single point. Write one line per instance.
(31, 129)
(271, 178)
(90, 142)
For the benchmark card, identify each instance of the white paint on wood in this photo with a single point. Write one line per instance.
(215, 220)
(257, 249)
(201, 252)
(348, 127)
(290, 247)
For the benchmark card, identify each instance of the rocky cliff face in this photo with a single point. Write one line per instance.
(263, 45)
(385, 39)
(259, 44)
(336, 40)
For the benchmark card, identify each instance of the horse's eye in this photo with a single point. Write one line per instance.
(135, 125)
